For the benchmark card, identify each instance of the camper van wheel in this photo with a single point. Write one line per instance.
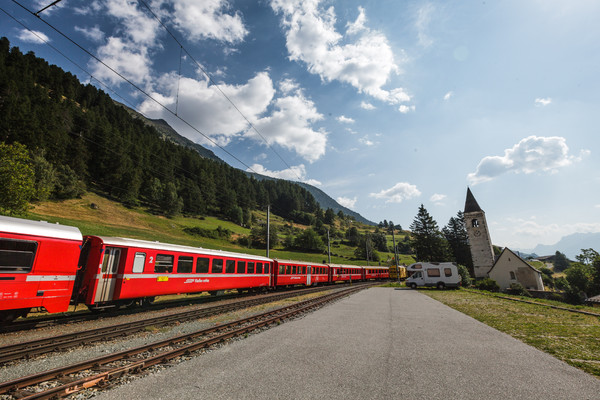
(441, 285)
(413, 285)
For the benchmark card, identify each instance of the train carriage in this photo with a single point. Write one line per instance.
(346, 273)
(288, 273)
(38, 264)
(377, 273)
(124, 270)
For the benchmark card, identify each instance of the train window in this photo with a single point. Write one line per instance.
(266, 269)
(138, 263)
(241, 267)
(185, 264)
(281, 269)
(230, 266)
(293, 270)
(448, 271)
(202, 264)
(251, 267)
(16, 255)
(164, 263)
(259, 267)
(217, 266)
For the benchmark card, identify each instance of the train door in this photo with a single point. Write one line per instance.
(107, 279)
(308, 270)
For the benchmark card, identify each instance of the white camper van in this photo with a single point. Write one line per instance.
(440, 275)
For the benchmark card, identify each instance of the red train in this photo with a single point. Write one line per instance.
(52, 266)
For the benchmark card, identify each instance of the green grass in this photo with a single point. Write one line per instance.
(571, 337)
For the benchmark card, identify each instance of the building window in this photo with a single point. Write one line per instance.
(475, 223)
(512, 276)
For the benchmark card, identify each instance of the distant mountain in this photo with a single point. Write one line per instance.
(168, 132)
(171, 134)
(570, 245)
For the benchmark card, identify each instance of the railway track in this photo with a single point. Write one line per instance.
(60, 343)
(62, 382)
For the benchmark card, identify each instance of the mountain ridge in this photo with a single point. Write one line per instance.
(569, 245)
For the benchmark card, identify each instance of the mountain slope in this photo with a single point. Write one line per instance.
(570, 245)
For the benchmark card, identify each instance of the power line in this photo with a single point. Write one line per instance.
(134, 85)
(217, 86)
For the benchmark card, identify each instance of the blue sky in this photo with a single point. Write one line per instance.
(384, 105)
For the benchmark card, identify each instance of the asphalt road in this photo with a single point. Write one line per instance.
(378, 344)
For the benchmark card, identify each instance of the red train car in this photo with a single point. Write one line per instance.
(38, 264)
(346, 273)
(288, 273)
(377, 273)
(120, 271)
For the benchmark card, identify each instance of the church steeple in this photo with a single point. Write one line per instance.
(480, 242)
(470, 203)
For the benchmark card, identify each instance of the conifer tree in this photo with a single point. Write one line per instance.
(428, 242)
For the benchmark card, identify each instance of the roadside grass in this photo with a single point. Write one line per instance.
(571, 337)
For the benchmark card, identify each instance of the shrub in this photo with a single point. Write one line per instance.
(518, 289)
(465, 276)
(487, 284)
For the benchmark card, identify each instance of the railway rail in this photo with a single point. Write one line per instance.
(60, 343)
(62, 382)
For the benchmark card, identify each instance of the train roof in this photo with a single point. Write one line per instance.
(301, 262)
(117, 241)
(39, 228)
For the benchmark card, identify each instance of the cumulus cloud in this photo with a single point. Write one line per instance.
(345, 120)
(33, 36)
(294, 173)
(532, 154)
(289, 125)
(94, 33)
(398, 193)
(543, 102)
(438, 199)
(448, 95)
(204, 107)
(404, 109)
(365, 140)
(346, 202)
(362, 57)
(367, 106)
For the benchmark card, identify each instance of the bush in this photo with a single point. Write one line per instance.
(487, 284)
(465, 276)
(219, 233)
(518, 289)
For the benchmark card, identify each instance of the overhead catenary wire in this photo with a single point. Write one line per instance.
(215, 84)
(135, 86)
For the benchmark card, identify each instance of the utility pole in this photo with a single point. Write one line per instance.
(268, 227)
(328, 247)
(395, 253)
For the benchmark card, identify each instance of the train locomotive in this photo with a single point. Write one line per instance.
(51, 266)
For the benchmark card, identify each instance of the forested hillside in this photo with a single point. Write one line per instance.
(78, 138)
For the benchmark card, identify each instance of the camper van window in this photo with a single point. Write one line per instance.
(448, 271)
(433, 272)
(417, 266)
(417, 274)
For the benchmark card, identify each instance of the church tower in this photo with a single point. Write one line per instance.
(479, 237)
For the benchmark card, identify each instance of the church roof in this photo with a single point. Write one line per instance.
(470, 203)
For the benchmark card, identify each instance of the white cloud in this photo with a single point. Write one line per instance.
(289, 125)
(448, 95)
(399, 192)
(365, 60)
(346, 202)
(365, 140)
(438, 199)
(404, 109)
(205, 108)
(127, 58)
(94, 33)
(33, 36)
(345, 120)
(294, 173)
(532, 154)
(543, 102)
(208, 19)
(367, 106)
(422, 24)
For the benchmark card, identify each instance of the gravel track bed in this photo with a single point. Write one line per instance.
(19, 368)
